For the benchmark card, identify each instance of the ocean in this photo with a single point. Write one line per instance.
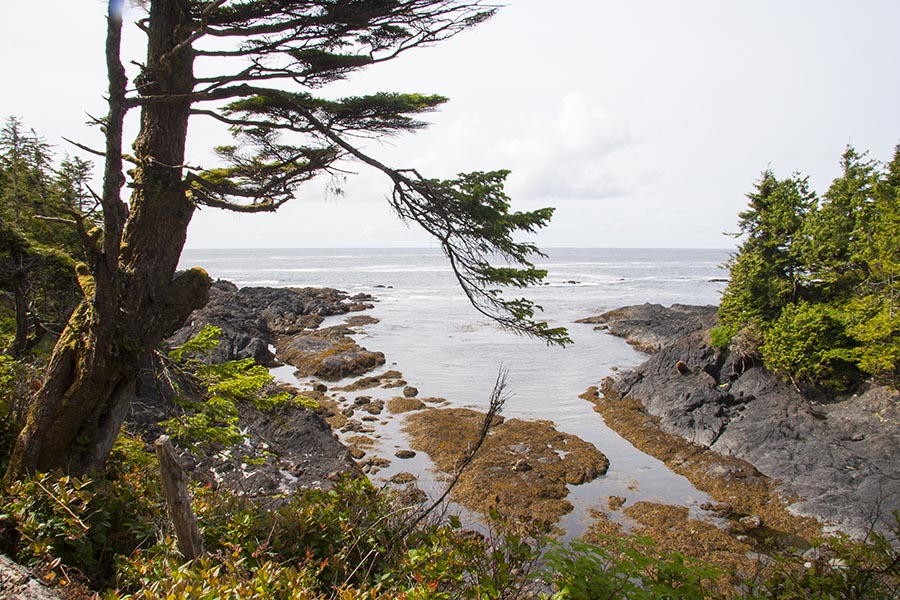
(429, 332)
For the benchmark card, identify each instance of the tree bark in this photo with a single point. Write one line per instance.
(133, 298)
(20, 285)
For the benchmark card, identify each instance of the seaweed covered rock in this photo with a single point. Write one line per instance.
(329, 354)
(523, 468)
(835, 453)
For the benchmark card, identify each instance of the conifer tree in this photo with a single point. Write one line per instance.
(816, 282)
(36, 248)
(255, 66)
(767, 271)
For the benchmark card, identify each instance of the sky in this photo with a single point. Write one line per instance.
(644, 123)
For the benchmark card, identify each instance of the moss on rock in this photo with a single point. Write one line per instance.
(402, 405)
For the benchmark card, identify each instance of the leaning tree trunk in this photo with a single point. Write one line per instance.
(133, 298)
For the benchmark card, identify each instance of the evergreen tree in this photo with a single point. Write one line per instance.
(251, 65)
(839, 229)
(817, 283)
(873, 313)
(25, 165)
(767, 270)
(37, 245)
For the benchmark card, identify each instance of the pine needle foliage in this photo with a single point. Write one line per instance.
(816, 281)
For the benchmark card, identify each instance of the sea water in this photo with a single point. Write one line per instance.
(428, 330)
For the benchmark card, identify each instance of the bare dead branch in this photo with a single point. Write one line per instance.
(495, 405)
(56, 220)
(85, 148)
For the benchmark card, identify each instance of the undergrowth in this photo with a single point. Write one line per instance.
(109, 535)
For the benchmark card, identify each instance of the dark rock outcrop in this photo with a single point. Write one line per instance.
(18, 583)
(650, 327)
(255, 320)
(286, 447)
(841, 456)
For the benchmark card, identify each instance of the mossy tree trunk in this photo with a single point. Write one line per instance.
(256, 49)
(133, 298)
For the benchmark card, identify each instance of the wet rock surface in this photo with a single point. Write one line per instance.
(287, 449)
(839, 455)
(650, 327)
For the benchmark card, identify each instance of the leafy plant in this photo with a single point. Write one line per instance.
(201, 345)
(210, 417)
(81, 524)
(721, 336)
(840, 568)
(631, 569)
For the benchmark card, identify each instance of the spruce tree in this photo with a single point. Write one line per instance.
(255, 66)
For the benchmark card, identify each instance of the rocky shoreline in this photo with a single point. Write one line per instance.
(835, 458)
(832, 459)
(524, 467)
(770, 458)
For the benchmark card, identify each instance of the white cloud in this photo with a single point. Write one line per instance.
(566, 151)
(644, 123)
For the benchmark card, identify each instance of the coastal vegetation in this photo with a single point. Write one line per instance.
(90, 290)
(814, 288)
(109, 533)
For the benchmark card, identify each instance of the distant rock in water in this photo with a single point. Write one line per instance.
(649, 327)
(839, 455)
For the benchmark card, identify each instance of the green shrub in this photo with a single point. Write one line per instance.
(349, 542)
(841, 568)
(83, 523)
(219, 577)
(347, 536)
(720, 337)
(630, 570)
(874, 324)
(807, 343)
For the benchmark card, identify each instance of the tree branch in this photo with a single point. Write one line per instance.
(114, 209)
(85, 148)
(495, 406)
